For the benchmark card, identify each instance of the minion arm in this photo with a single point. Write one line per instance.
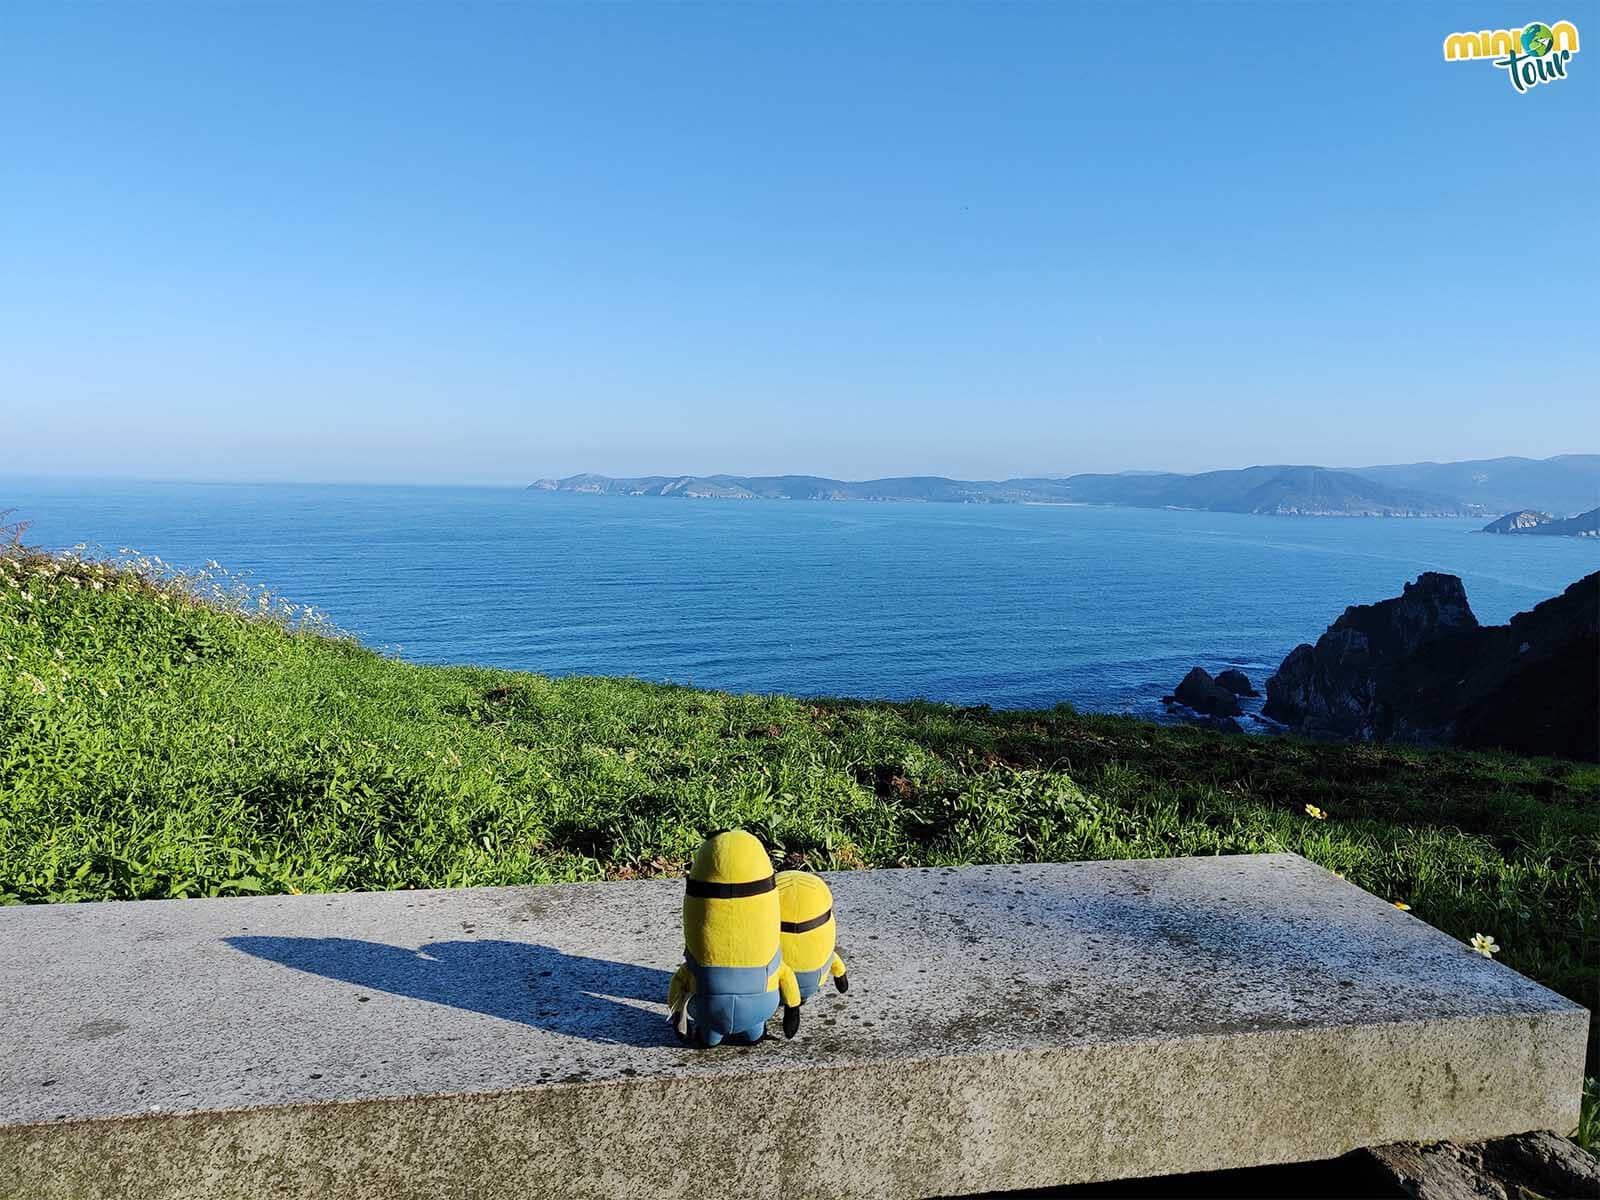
(789, 990)
(678, 993)
(840, 979)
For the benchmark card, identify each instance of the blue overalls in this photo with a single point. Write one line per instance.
(732, 1001)
(810, 981)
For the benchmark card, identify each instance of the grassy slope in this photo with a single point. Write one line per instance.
(153, 746)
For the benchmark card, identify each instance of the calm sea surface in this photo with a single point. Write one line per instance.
(1013, 606)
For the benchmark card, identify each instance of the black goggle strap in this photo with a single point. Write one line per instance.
(808, 926)
(729, 891)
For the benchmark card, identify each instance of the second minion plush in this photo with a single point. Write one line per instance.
(805, 906)
(733, 974)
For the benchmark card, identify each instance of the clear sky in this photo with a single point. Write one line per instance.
(486, 243)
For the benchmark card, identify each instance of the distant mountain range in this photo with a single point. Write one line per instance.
(1282, 491)
(1411, 490)
(1565, 484)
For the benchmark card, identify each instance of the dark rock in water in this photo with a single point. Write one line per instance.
(1203, 694)
(1236, 682)
(1419, 668)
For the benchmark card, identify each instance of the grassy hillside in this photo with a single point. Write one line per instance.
(153, 744)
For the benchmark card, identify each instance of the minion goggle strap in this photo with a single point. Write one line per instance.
(706, 890)
(807, 926)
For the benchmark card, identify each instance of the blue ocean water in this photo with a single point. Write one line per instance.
(1012, 606)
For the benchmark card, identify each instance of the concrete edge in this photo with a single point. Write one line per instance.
(508, 1141)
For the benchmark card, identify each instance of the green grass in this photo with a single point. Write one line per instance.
(156, 745)
(1588, 1131)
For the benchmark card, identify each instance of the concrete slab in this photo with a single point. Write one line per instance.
(1007, 1027)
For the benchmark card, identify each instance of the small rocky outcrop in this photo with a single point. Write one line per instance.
(1237, 682)
(1205, 695)
(1419, 668)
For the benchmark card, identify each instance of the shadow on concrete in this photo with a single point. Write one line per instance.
(1352, 1177)
(516, 981)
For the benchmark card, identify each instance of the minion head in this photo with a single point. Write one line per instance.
(805, 907)
(730, 905)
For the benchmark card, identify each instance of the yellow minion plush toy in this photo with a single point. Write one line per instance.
(733, 974)
(808, 930)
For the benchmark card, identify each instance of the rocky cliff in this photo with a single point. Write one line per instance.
(1419, 668)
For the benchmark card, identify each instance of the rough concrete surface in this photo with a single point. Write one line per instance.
(1007, 1027)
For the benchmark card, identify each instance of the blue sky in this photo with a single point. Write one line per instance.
(486, 243)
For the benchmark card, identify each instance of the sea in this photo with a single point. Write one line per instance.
(1012, 606)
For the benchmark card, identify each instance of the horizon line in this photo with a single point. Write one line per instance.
(528, 482)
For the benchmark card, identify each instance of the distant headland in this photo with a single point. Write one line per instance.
(1567, 483)
(1528, 521)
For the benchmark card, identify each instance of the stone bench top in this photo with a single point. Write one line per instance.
(154, 1009)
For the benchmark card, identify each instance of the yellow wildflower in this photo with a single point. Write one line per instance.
(1402, 906)
(1485, 945)
(1313, 811)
